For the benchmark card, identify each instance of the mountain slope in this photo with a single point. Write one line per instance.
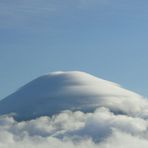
(58, 91)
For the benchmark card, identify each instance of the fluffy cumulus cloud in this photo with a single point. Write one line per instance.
(101, 128)
(120, 119)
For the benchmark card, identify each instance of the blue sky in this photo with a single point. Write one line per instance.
(107, 38)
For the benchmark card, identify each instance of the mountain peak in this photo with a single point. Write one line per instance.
(73, 90)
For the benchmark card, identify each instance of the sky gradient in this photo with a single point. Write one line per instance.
(106, 38)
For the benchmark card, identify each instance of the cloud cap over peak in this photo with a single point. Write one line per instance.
(57, 91)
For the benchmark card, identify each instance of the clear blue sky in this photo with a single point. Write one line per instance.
(107, 38)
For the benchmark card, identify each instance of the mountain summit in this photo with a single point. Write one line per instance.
(74, 90)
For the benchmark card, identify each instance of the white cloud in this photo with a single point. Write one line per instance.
(120, 119)
(101, 129)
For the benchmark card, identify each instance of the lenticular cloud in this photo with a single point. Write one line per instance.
(119, 118)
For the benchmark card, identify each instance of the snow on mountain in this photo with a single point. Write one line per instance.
(57, 91)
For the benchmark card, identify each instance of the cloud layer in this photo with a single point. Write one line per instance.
(119, 119)
(54, 92)
(101, 129)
